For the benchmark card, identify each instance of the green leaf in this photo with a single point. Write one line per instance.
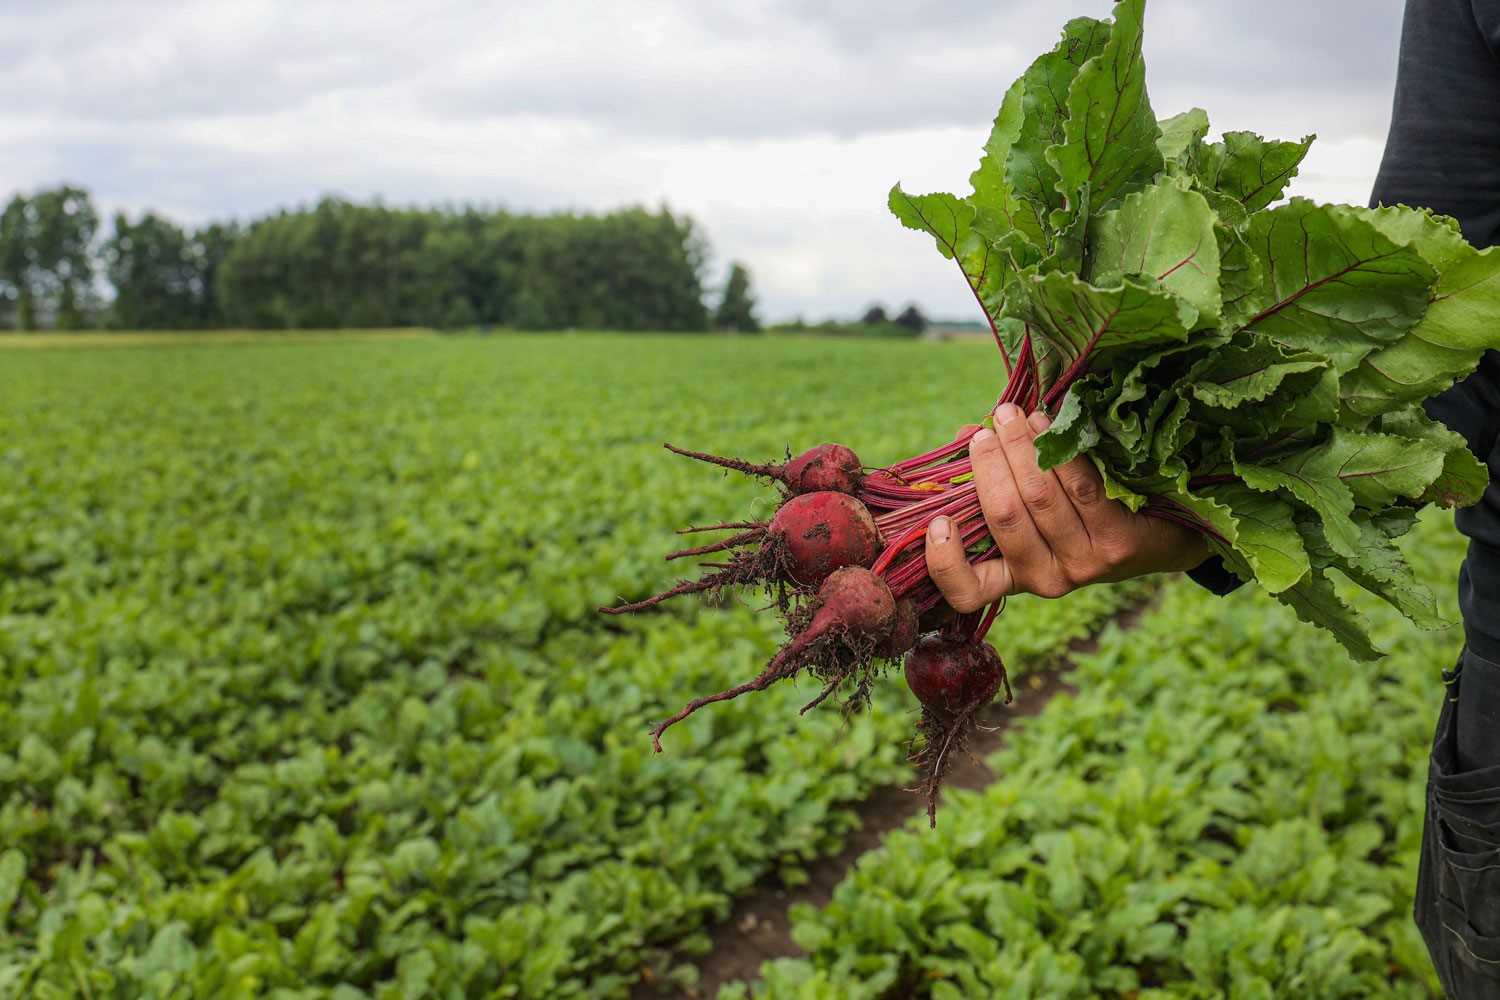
(949, 221)
(1249, 169)
(998, 212)
(1116, 490)
(12, 877)
(1315, 601)
(1261, 529)
(944, 217)
(1180, 133)
(1170, 433)
(1325, 496)
(1456, 329)
(1248, 371)
(1377, 565)
(1241, 276)
(1378, 469)
(1166, 233)
(1136, 406)
(1082, 324)
(1044, 111)
(1333, 283)
(1072, 432)
(1315, 403)
(1464, 477)
(1110, 131)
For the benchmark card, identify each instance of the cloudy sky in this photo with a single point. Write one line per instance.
(779, 125)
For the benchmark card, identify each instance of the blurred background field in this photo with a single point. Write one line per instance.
(303, 694)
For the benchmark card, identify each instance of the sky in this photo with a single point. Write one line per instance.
(779, 126)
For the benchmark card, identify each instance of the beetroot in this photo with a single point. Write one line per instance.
(817, 533)
(843, 561)
(825, 467)
(953, 679)
(853, 613)
(904, 633)
(810, 537)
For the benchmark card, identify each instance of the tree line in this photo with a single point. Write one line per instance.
(345, 264)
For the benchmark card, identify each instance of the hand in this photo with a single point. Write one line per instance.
(1056, 530)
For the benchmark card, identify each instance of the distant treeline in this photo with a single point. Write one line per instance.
(343, 264)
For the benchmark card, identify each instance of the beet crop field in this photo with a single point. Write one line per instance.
(303, 694)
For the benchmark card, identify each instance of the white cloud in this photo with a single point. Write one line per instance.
(779, 124)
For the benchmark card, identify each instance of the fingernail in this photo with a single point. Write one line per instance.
(1039, 421)
(981, 436)
(1007, 412)
(940, 530)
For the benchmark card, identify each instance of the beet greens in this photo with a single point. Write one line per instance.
(1249, 367)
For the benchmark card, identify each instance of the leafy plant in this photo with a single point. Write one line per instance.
(1250, 368)
(1235, 815)
(300, 693)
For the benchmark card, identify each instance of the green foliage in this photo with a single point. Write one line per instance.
(736, 310)
(347, 265)
(1235, 815)
(46, 258)
(164, 278)
(302, 692)
(1252, 369)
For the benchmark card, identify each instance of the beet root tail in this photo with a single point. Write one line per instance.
(737, 464)
(774, 672)
(731, 574)
(743, 538)
(796, 654)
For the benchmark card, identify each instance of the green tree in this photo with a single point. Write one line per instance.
(46, 257)
(342, 264)
(151, 267)
(62, 224)
(628, 270)
(911, 317)
(16, 251)
(206, 251)
(337, 265)
(736, 310)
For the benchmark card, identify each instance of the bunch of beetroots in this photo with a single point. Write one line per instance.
(842, 558)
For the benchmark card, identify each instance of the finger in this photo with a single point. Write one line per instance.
(964, 586)
(1104, 520)
(1084, 487)
(1046, 501)
(1004, 513)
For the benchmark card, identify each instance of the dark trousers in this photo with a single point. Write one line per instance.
(1458, 883)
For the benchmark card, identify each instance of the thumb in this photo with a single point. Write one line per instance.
(967, 588)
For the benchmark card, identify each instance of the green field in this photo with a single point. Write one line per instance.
(302, 694)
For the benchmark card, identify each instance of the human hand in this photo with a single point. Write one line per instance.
(1056, 530)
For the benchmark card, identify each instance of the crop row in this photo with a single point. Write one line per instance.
(302, 692)
(1230, 806)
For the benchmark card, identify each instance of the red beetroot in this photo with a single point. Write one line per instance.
(953, 679)
(904, 633)
(817, 533)
(810, 537)
(825, 467)
(828, 466)
(853, 613)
